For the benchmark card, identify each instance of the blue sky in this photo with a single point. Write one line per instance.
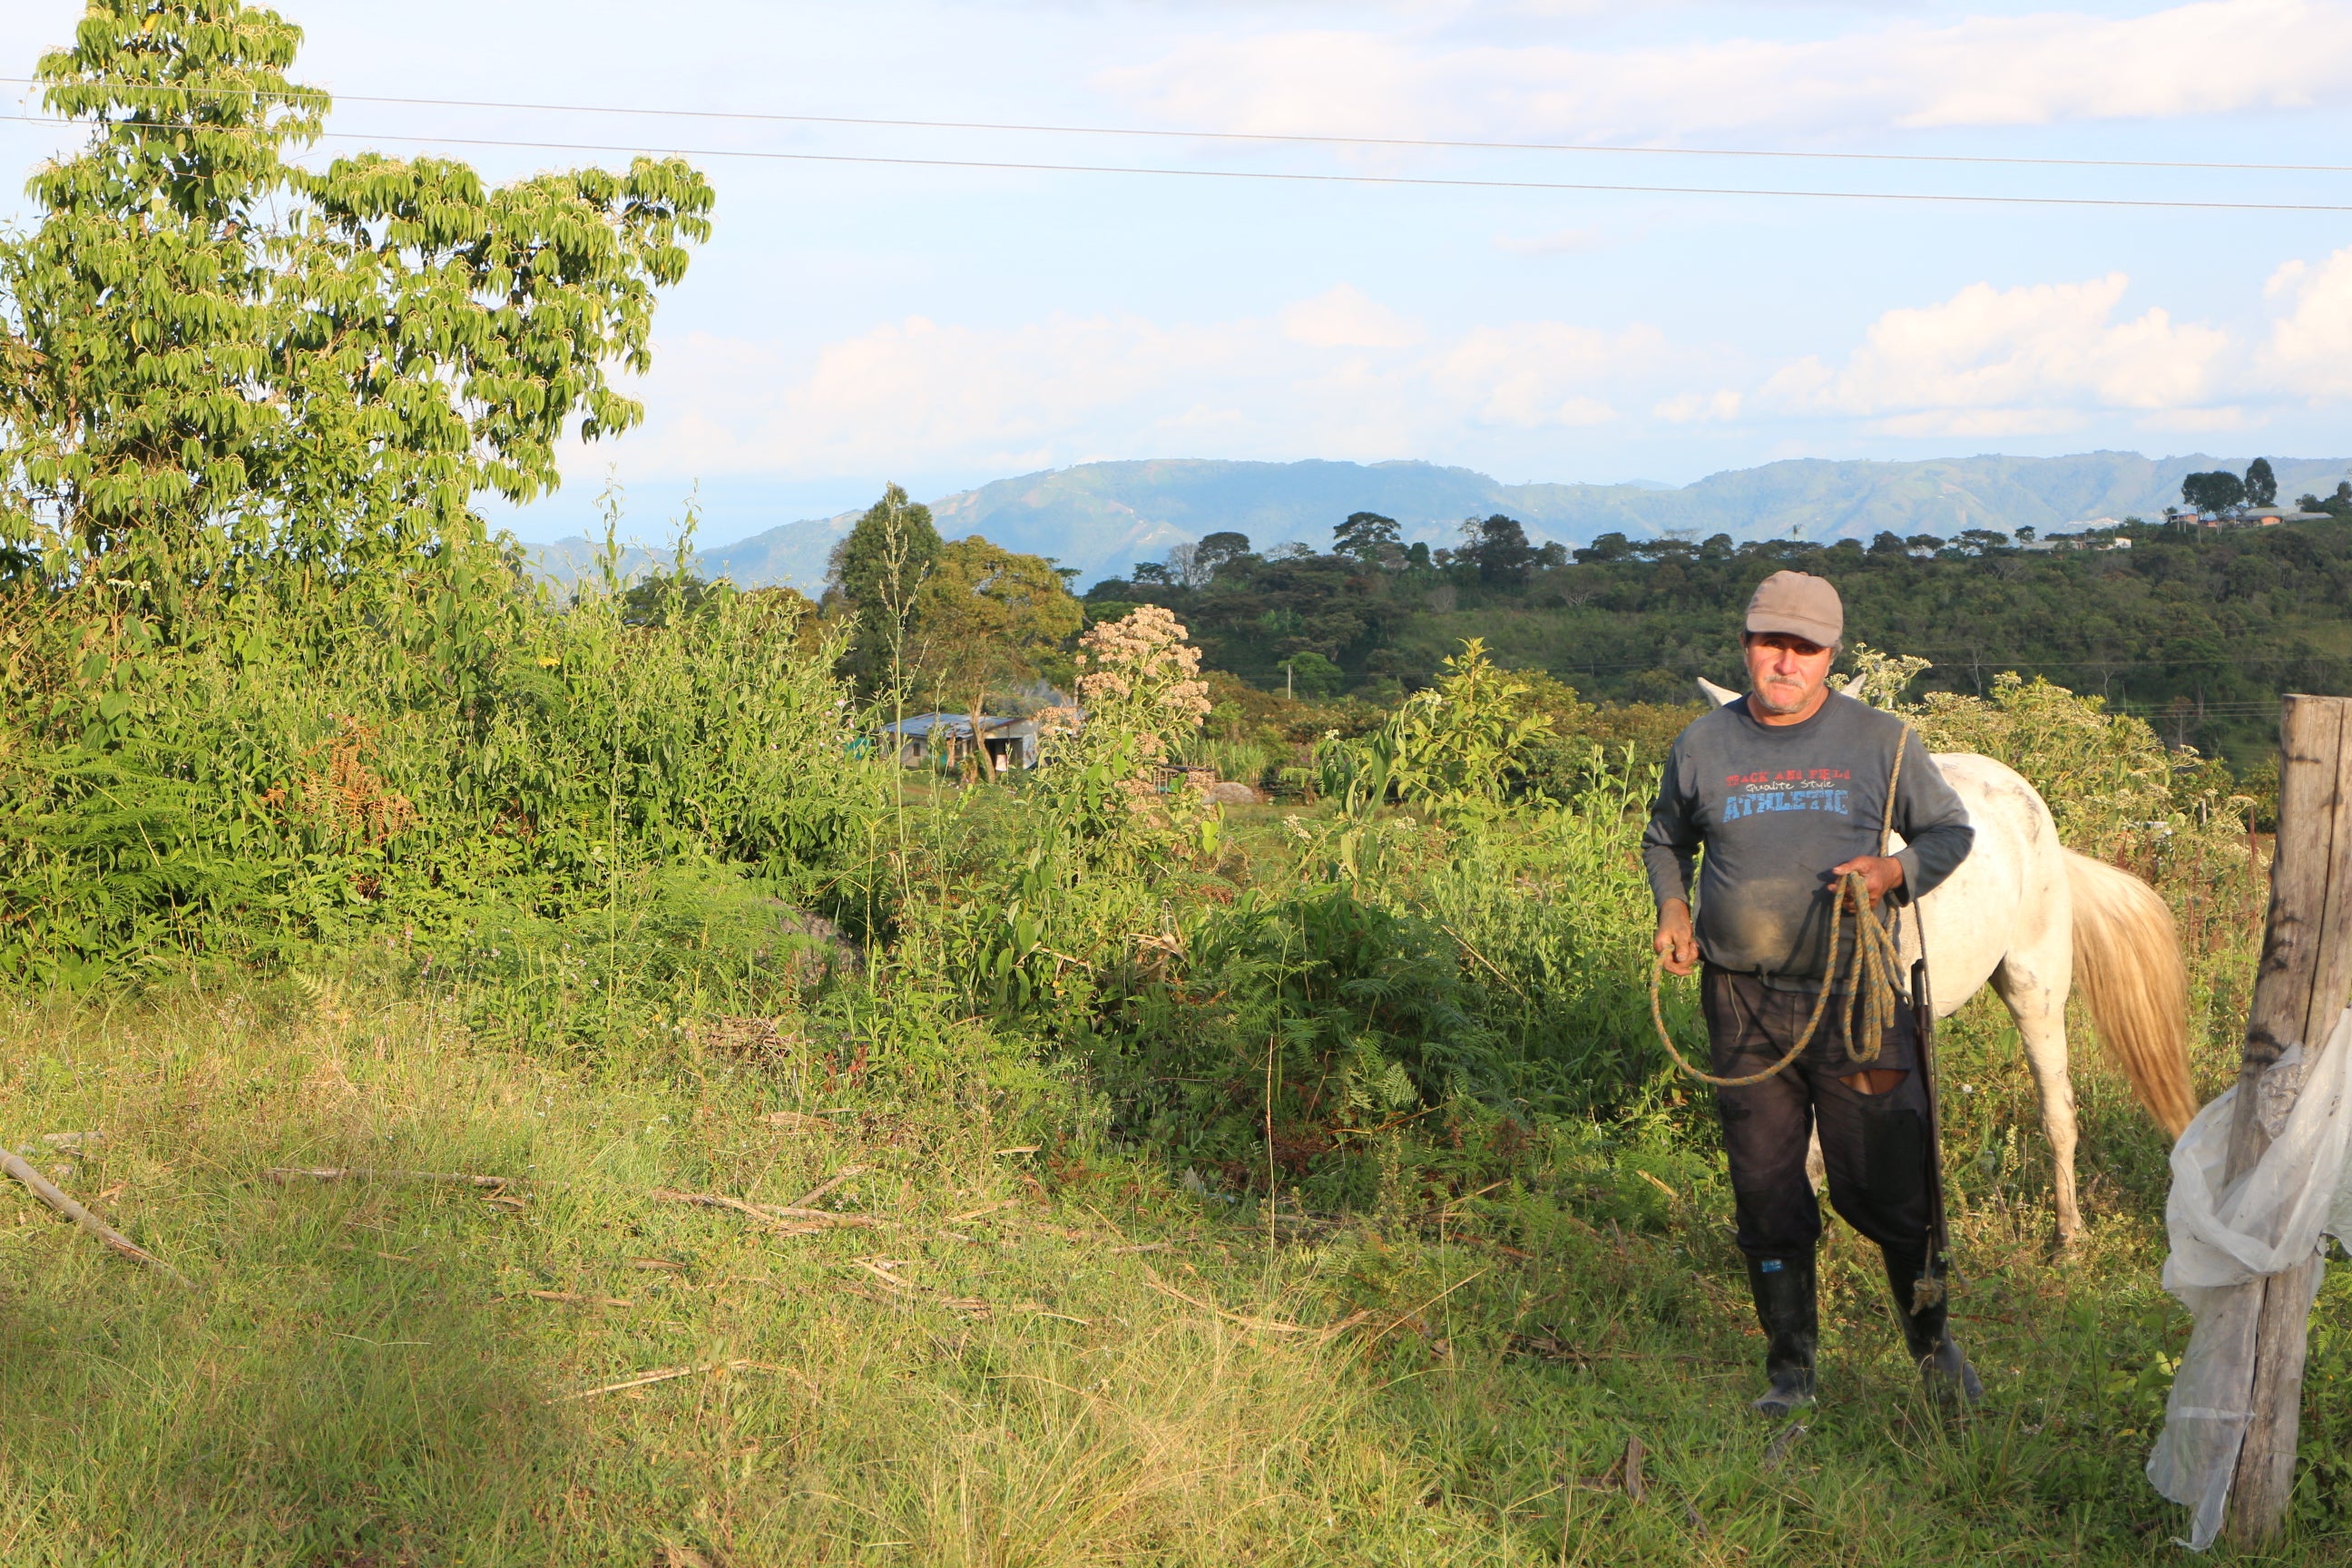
(851, 324)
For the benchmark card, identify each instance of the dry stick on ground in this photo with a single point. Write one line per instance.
(810, 1196)
(830, 1217)
(371, 1252)
(282, 1174)
(1402, 1318)
(50, 1194)
(881, 1270)
(668, 1373)
(719, 1201)
(776, 1216)
(1268, 1325)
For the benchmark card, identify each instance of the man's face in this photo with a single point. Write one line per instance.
(1785, 672)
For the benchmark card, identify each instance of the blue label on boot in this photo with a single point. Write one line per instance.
(1769, 1266)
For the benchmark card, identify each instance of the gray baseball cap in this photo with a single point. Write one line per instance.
(1800, 604)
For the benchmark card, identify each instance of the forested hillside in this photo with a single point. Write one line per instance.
(2197, 630)
(1098, 518)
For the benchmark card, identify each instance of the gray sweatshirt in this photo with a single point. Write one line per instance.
(1777, 806)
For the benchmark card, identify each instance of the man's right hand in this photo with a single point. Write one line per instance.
(1677, 944)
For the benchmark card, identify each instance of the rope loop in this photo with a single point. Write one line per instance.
(1871, 980)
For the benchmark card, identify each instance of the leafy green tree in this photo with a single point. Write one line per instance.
(1369, 537)
(1983, 541)
(223, 356)
(666, 597)
(877, 572)
(987, 620)
(1216, 551)
(2261, 485)
(1312, 675)
(2217, 491)
(1499, 547)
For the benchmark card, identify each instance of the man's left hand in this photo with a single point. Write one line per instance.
(1880, 874)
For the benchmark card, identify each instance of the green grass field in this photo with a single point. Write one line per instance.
(998, 1354)
(601, 1109)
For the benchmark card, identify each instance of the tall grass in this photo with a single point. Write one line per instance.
(1064, 1353)
(591, 892)
(230, 791)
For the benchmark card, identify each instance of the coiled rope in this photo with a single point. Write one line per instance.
(1872, 968)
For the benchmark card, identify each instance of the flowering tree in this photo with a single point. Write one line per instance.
(1140, 691)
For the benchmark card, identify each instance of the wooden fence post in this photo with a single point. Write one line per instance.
(2304, 979)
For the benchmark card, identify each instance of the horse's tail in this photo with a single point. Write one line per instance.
(2128, 966)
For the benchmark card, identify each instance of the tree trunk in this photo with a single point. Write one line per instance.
(983, 765)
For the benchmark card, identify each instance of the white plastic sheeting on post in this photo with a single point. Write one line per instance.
(2271, 1220)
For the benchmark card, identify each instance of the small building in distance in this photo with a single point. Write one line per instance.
(2272, 516)
(2244, 517)
(937, 739)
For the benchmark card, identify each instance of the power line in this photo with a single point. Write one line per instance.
(1262, 174)
(1278, 137)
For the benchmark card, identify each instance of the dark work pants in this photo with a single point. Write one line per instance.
(1876, 1145)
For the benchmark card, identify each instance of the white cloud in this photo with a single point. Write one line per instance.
(1538, 373)
(2310, 349)
(2207, 57)
(1698, 407)
(1348, 317)
(1980, 423)
(2003, 362)
(2197, 421)
(1338, 374)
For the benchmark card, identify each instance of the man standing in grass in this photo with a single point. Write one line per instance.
(1786, 788)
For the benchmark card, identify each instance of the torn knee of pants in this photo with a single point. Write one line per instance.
(1876, 1081)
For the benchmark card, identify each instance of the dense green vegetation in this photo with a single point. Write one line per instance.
(2199, 630)
(898, 1168)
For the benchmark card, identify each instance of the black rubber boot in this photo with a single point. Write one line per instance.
(1927, 1333)
(1783, 1288)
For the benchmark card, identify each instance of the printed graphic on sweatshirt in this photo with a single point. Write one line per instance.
(1790, 789)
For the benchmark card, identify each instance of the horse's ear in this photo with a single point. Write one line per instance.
(1854, 687)
(1718, 695)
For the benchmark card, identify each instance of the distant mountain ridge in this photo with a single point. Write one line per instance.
(1102, 517)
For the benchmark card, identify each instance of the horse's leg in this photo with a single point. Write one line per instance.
(2035, 989)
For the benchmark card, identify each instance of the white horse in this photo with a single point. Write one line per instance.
(2035, 919)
